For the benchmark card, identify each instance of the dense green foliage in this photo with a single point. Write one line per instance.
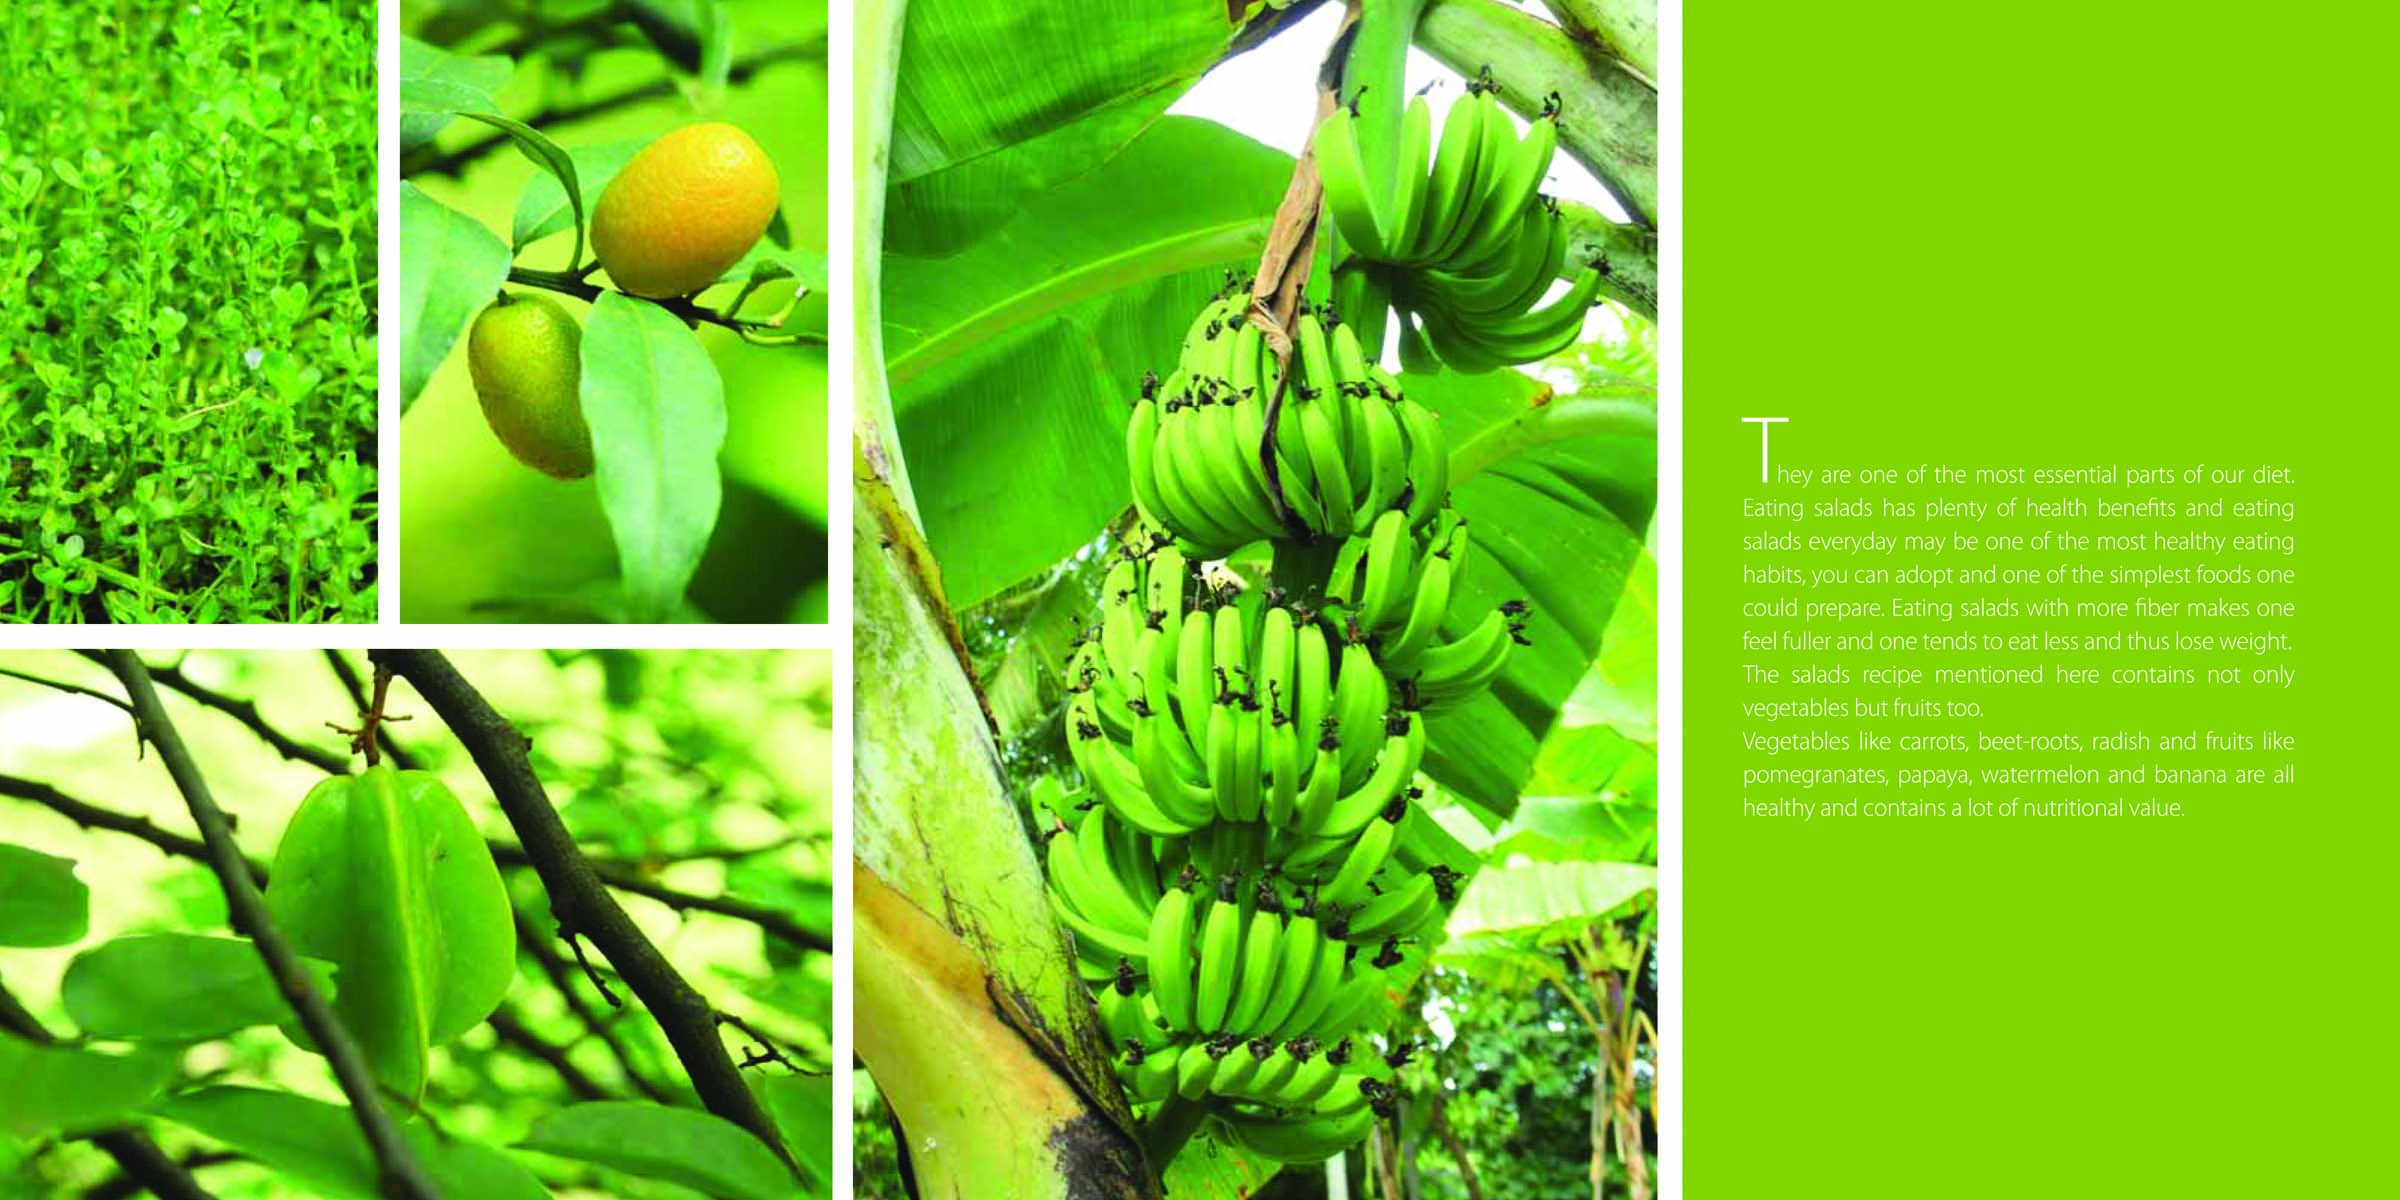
(694, 783)
(187, 311)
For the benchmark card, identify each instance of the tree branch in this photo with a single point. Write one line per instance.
(578, 898)
(136, 1155)
(403, 1179)
(455, 162)
(245, 711)
(1439, 1114)
(74, 689)
(128, 1184)
(777, 924)
(570, 283)
(92, 816)
(514, 1032)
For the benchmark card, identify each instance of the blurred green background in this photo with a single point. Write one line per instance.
(484, 538)
(703, 771)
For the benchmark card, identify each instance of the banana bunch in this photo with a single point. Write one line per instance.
(1346, 444)
(1459, 240)
(1247, 872)
(1395, 584)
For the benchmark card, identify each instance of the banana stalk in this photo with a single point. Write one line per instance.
(1627, 29)
(1627, 256)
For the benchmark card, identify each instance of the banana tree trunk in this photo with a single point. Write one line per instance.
(969, 1012)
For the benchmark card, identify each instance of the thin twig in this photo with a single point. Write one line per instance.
(128, 1185)
(578, 898)
(342, 670)
(589, 972)
(403, 1178)
(63, 686)
(554, 968)
(332, 762)
(572, 284)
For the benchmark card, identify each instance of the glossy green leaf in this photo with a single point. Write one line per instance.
(939, 214)
(1534, 897)
(978, 76)
(656, 407)
(42, 903)
(1134, 220)
(544, 208)
(802, 1107)
(1553, 523)
(655, 1141)
(419, 61)
(1605, 827)
(1021, 354)
(454, 268)
(433, 96)
(385, 876)
(1621, 690)
(176, 987)
(45, 1088)
(319, 1146)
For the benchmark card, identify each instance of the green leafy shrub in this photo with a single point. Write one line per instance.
(187, 312)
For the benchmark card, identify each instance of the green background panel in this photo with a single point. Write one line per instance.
(2049, 233)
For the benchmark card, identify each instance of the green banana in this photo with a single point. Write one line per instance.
(1296, 1140)
(1455, 670)
(1367, 856)
(1390, 563)
(1220, 960)
(1169, 957)
(1358, 211)
(1195, 1068)
(1297, 951)
(1395, 912)
(1402, 753)
(1260, 957)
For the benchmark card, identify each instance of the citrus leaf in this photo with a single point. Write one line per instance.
(481, 74)
(175, 987)
(54, 1087)
(655, 1141)
(41, 901)
(802, 1106)
(319, 1145)
(455, 266)
(656, 407)
(429, 96)
(543, 207)
(386, 877)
